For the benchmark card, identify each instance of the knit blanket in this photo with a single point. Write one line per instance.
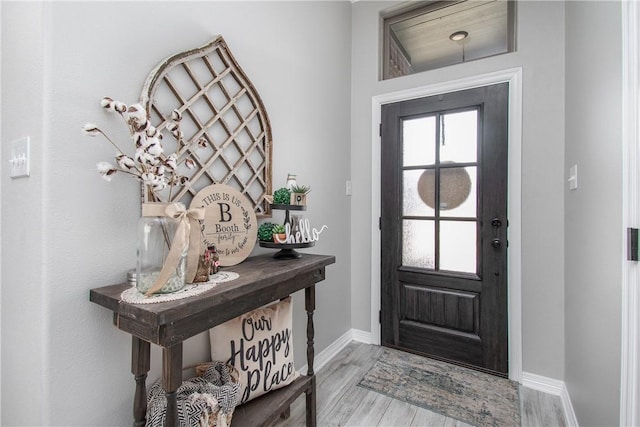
(206, 400)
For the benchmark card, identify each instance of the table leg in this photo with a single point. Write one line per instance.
(140, 364)
(171, 380)
(311, 403)
(286, 413)
(310, 306)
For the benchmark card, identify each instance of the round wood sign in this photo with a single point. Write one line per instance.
(229, 222)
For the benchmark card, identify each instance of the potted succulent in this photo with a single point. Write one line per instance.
(299, 195)
(279, 234)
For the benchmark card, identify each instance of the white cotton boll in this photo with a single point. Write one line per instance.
(154, 181)
(138, 156)
(155, 141)
(136, 114)
(104, 167)
(146, 141)
(176, 115)
(145, 158)
(152, 160)
(189, 163)
(120, 107)
(148, 178)
(125, 162)
(175, 130)
(106, 170)
(172, 162)
(139, 109)
(142, 127)
(107, 103)
(154, 148)
(152, 131)
(159, 186)
(91, 129)
(140, 139)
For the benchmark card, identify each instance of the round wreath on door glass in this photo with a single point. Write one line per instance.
(455, 186)
(229, 222)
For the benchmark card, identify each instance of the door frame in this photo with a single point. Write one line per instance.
(630, 304)
(514, 77)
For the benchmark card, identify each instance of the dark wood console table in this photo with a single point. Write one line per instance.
(262, 280)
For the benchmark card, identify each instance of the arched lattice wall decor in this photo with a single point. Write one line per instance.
(218, 103)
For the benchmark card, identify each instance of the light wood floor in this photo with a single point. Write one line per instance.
(341, 403)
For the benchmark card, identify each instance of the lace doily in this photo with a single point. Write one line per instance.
(132, 295)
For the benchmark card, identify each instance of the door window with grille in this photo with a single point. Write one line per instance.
(439, 185)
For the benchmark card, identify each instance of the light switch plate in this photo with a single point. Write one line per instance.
(573, 177)
(347, 188)
(19, 160)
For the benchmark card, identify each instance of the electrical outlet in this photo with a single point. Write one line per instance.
(19, 159)
(347, 188)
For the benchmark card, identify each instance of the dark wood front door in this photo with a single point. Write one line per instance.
(444, 227)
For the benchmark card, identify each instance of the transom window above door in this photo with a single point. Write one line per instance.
(426, 35)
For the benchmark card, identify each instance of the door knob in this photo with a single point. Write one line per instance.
(496, 243)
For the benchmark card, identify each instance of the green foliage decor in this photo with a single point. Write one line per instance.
(265, 232)
(278, 229)
(300, 189)
(282, 196)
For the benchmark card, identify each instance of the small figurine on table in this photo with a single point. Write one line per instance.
(211, 255)
(208, 264)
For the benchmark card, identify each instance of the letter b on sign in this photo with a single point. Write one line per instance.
(225, 215)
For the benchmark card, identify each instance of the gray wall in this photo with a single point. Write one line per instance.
(593, 212)
(23, 310)
(541, 56)
(66, 230)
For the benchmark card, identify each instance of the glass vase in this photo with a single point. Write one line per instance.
(155, 236)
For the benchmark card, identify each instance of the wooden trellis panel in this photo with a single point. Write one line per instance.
(219, 103)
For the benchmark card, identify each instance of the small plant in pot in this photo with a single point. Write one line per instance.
(265, 232)
(279, 233)
(282, 196)
(299, 195)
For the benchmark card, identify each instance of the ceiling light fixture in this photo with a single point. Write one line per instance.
(458, 36)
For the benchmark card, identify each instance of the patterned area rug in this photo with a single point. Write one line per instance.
(474, 397)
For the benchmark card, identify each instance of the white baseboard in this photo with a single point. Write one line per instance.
(325, 355)
(554, 387)
(334, 348)
(569, 414)
(543, 384)
(361, 336)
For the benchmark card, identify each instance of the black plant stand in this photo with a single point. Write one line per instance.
(287, 250)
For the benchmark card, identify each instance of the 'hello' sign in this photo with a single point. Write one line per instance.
(229, 222)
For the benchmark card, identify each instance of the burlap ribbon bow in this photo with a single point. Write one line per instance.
(187, 235)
